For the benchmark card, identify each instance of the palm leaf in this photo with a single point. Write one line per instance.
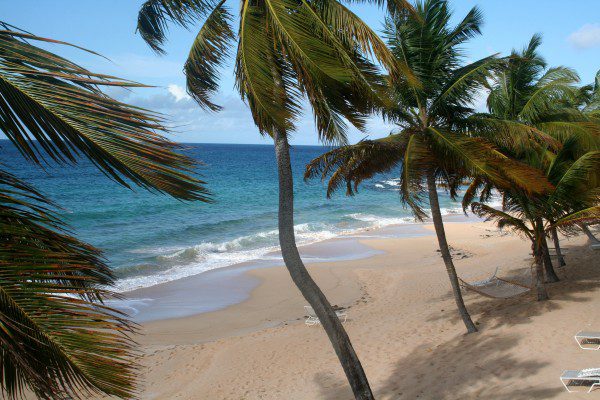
(207, 53)
(502, 219)
(155, 16)
(57, 339)
(53, 109)
(482, 159)
(556, 85)
(586, 216)
(259, 74)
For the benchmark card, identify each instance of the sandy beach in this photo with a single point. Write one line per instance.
(402, 322)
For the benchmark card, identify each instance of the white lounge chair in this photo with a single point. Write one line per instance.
(312, 318)
(585, 377)
(595, 246)
(588, 340)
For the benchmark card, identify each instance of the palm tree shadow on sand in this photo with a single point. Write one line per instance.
(468, 367)
(479, 366)
(577, 278)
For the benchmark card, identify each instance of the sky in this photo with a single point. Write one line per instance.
(570, 29)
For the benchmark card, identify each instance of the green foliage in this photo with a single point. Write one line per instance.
(52, 109)
(436, 127)
(58, 339)
(286, 51)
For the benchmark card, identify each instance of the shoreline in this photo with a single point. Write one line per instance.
(402, 322)
(223, 287)
(336, 278)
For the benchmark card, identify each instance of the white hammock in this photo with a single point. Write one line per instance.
(496, 288)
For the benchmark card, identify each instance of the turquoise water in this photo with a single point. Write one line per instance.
(150, 239)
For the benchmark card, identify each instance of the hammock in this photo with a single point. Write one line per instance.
(495, 287)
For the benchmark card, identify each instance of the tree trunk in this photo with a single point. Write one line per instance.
(309, 289)
(538, 253)
(561, 259)
(438, 223)
(551, 276)
(589, 234)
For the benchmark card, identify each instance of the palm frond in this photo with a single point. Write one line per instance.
(554, 87)
(581, 179)
(502, 219)
(585, 216)
(52, 109)
(465, 81)
(155, 15)
(352, 29)
(350, 165)
(416, 161)
(57, 338)
(207, 54)
(482, 159)
(259, 74)
(512, 135)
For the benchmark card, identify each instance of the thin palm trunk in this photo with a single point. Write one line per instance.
(589, 234)
(551, 276)
(309, 289)
(438, 223)
(561, 259)
(538, 252)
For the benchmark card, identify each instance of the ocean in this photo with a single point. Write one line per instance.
(150, 239)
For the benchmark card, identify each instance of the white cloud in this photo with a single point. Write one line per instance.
(586, 37)
(178, 92)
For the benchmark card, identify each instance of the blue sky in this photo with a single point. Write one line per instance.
(571, 32)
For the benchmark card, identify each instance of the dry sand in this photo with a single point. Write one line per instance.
(403, 325)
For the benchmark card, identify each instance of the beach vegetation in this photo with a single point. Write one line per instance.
(439, 143)
(59, 339)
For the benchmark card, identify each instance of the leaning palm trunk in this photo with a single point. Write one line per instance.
(309, 289)
(561, 259)
(551, 276)
(438, 223)
(538, 252)
(589, 234)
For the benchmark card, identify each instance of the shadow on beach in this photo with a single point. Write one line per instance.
(578, 277)
(482, 366)
(465, 367)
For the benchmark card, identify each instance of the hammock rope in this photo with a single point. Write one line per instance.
(497, 288)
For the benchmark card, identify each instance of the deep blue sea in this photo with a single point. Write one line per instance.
(149, 238)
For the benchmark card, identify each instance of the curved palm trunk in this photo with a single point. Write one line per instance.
(589, 234)
(538, 252)
(438, 223)
(309, 289)
(546, 259)
(561, 259)
(551, 276)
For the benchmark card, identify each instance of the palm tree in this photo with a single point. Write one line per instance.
(539, 103)
(573, 199)
(431, 144)
(287, 51)
(58, 339)
(588, 101)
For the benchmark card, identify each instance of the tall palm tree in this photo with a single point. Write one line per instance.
(58, 340)
(432, 143)
(287, 51)
(541, 103)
